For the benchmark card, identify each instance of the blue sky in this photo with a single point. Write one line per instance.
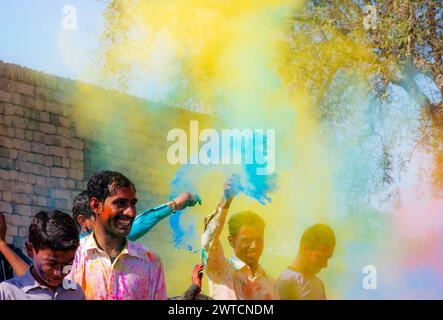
(30, 33)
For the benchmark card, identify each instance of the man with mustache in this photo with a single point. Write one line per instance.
(107, 265)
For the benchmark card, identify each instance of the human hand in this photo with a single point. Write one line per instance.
(197, 274)
(187, 199)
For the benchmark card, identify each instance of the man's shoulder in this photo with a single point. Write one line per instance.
(290, 275)
(17, 281)
(143, 251)
(300, 279)
(5, 288)
(9, 286)
(6, 284)
(84, 242)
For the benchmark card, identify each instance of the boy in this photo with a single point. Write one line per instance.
(53, 241)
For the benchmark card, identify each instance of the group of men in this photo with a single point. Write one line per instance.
(94, 254)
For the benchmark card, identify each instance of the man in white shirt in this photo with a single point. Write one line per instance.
(240, 277)
(299, 281)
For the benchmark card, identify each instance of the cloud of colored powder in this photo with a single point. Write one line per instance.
(352, 161)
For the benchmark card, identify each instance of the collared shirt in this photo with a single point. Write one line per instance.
(232, 279)
(143, 222)
(294, 285)
(135, 274)
(25, 287)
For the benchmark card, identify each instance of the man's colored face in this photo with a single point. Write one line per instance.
(317, 258)
(51, 265)
(248, 244)
(119, 211)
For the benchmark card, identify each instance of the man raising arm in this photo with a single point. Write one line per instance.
(240, 277)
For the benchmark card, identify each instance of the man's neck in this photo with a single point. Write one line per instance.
(300, 266)
(109, 244)
(253, 268)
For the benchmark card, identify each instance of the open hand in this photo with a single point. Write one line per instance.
(197, 274)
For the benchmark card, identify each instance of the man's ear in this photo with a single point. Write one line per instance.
(29, 249)
(231, 239)
(96, 206)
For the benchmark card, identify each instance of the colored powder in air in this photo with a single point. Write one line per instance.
(342, 156)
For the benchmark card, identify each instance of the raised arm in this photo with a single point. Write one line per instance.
(17, 263)
(213, 255)
(145, 221)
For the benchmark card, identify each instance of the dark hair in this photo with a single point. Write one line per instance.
(105, 183)
(54, 230)
(318, 235)
(244, 218)
(81, 206)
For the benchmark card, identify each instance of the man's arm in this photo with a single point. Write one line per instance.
(145, 221)
(214, 258)
(18, 264)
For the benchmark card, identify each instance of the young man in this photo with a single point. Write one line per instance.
(53, 241)
(107, 265)
(299, 280)
(241, 277)
(12, 259)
